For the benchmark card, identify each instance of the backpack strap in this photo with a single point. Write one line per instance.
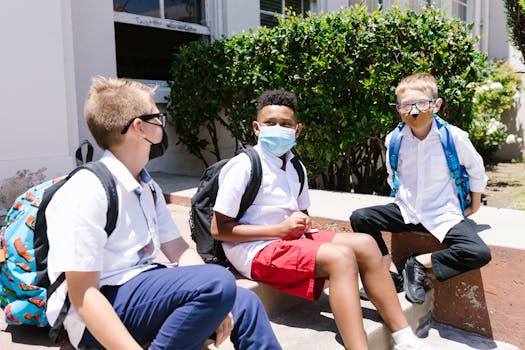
(393, 150)
(108, 182)
(253, 184)
(451, 155)
(89, 153)
(300, 171)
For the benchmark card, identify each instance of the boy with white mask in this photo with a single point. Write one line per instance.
(273, 241)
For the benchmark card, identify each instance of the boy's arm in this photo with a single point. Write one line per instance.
(225, 228)
(179, 251)
(96, 312)
(475, 203)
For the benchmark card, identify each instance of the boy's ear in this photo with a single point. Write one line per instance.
(437, 106)
(255, 127)
(298, 131)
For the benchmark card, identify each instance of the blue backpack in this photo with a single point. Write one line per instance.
(457, 171)
(24, 283)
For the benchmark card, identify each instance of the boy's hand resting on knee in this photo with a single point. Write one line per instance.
(295, 225)
(224, 330)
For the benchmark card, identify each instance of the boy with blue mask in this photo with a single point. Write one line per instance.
(274, 242)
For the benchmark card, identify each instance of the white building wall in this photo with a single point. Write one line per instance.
(37, 73)
(52, 50)
(239, 16)
(94, 54)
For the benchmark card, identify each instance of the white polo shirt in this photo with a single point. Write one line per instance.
(427, 193)
(76, 217)
(278, 197)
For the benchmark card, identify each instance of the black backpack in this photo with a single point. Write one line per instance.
(203, 201)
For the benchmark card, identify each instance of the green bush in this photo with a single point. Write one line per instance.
(491, 98)
(343, 67)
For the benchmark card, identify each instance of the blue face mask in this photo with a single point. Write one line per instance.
(276, 139)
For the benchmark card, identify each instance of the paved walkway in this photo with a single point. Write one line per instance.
(310, 325)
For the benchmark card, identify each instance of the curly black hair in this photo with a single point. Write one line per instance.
(279, 98)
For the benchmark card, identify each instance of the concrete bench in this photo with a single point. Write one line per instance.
(488, 301)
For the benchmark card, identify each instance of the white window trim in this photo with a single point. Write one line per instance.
(162, 23)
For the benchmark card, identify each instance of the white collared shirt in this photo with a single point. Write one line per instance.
(278, 197)
(427, 193)
(76, 217)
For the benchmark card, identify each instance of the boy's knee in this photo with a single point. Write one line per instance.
(357, 217)
(222, 281)
(342, 257)
(248, 299)
(484, 256)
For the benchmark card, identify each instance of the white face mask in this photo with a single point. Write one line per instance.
(277, 139)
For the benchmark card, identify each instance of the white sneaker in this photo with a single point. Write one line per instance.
(417, 345)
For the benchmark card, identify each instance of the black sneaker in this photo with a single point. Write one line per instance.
(413, 281)
(398, 283)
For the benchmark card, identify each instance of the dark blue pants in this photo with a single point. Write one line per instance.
(466, 250)
(181, 307)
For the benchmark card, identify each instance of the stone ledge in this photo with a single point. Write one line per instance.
(487, 301)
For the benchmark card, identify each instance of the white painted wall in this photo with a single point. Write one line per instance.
(93, 33)
(239, 16)
(37, 73)
(497, 35)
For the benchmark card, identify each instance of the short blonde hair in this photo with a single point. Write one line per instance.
(113, 102)
(423, 82)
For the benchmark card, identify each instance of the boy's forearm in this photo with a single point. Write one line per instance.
(97, 313)
(235, 232)
(179, 251)
(475, 203)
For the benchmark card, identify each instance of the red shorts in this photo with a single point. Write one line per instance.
(289, 266)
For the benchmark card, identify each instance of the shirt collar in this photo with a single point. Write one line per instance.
(121, 172)
(271, 158)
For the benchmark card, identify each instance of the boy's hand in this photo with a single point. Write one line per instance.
(295, 225)
(224, 330)
(475, 204)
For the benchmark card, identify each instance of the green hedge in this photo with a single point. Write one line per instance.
(343, 67)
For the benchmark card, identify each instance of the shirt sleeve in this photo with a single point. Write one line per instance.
(168, 230)
(233, 180)
(471, 159)
(76, 216)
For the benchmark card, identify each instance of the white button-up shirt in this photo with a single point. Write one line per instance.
(427, 193)
(278, 197)
(76, 217)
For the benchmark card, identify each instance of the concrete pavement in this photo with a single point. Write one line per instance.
(306, 325)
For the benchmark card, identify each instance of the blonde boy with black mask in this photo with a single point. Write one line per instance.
(120, 298)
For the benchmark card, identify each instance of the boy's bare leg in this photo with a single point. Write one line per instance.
(425, 260)
(387, 259)
(338, 263)
(375, 277)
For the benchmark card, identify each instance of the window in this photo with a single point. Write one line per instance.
(181, 10)
(148, 32)
(272, 8)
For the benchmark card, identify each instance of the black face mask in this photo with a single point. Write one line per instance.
(157, 149)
